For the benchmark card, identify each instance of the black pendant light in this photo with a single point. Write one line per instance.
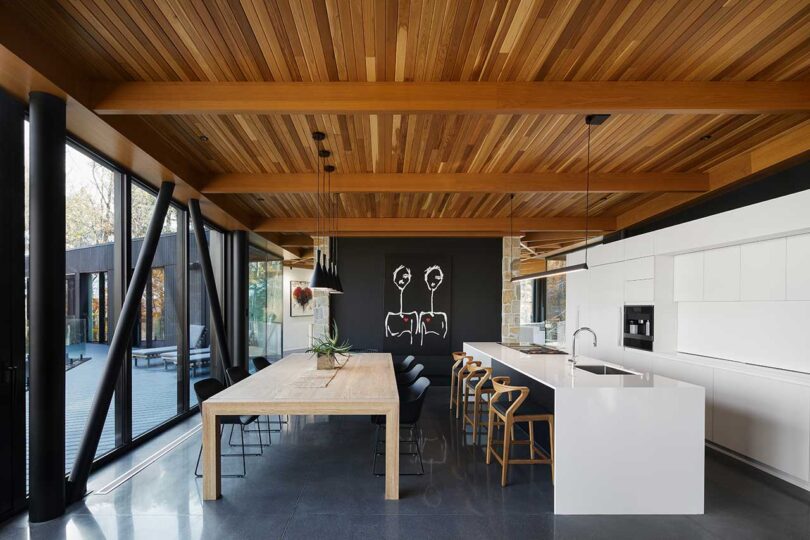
(590, 120)
(337, 286)
(319, 280)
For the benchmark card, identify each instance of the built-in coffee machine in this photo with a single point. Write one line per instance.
(638, 327)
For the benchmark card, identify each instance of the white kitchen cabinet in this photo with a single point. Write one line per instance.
(691, 373)
(721, 274)
(638, 360)
(765, 419)
(606, 253)
(640, 291)
(770, 334)
(639, 246)
(689, 277)
(798, 267)
(762, 270)
(643, 268)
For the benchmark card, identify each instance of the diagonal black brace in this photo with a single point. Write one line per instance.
(119, 344)
(210, 285)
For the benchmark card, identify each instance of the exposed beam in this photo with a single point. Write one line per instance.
(781, 151)
(295, 241)
(662, 97)
(440, 226)
(541, 237)
(459, 183)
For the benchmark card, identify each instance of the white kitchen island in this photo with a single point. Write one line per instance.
(624, 444)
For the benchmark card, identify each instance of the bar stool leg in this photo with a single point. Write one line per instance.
(476, 413)
(531, 440)
(452, 387)
(506, 444)
(490, 429)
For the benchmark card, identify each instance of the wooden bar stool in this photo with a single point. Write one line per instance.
(511, 413)
(458, 357)
(469, 364)
(478, 384)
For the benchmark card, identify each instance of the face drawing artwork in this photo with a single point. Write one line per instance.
(401, 323)
(433, 322)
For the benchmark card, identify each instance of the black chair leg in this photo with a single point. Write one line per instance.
(242, 455)
(413, 440)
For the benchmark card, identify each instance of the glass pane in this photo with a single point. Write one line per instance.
(89, 241)
(199, 316)
(154, 348)
(265, 304)
(555, 304)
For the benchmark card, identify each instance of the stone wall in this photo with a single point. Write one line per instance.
(510, 296)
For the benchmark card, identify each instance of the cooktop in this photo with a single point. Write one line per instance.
(532, 348)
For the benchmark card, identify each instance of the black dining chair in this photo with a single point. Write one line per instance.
(404, 364)
(411, 399)
(407, 378)
(237, 374)
(205, 389)
(260, 362)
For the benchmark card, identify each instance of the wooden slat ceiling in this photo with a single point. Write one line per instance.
(441, 40)
(487, 40)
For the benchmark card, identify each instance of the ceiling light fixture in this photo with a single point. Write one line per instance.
(337, 286)
(590, 120)
(319, 280)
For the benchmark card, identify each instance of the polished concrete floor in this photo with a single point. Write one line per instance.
(316, 482)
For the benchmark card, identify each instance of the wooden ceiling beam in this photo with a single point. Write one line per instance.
(562, 97)
(295, 241)
(460, 183)
(777, 153)
(439, 226)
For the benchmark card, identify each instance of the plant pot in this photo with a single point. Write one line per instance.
(327, 361)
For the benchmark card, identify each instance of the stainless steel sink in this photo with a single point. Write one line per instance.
(604, 370)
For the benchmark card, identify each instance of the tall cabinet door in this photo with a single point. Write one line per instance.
(12, 307)
(603, 313)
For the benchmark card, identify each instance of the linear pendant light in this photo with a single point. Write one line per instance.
(590, 120)
(319, 280)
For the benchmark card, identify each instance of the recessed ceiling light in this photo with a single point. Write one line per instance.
(203, 138)
(706, 137)
(259, 199)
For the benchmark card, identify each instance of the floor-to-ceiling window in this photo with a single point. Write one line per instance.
(265, 304)
(89, 241)
(199, 311)
(154, 347)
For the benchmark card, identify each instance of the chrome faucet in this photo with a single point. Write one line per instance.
(573, 358)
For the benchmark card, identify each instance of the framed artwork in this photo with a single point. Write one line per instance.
(301, 300)
(416, 304)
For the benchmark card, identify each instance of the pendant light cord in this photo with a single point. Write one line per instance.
(511, 233)
(587, 191)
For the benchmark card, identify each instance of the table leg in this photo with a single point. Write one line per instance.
(211, 456)
(392, 454)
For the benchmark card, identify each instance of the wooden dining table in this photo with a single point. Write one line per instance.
(364, 385)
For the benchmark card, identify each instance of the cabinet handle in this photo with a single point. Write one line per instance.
(621, 326)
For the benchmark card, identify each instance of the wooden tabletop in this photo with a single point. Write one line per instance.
(366, 383)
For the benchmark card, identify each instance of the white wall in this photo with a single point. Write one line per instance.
(733, 288)
(296, 329)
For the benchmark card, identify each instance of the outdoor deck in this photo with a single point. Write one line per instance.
(154, 399)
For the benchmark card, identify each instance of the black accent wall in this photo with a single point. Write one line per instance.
(476, 292)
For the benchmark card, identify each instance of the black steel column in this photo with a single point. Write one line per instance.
(119, 346)
(47, 307)
(181, 307)
(208, 277)
(12, 306)
(121, 273)
(239, 297)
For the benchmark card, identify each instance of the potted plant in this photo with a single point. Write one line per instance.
(327, 349)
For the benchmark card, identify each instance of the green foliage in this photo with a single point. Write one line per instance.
(328, 346)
